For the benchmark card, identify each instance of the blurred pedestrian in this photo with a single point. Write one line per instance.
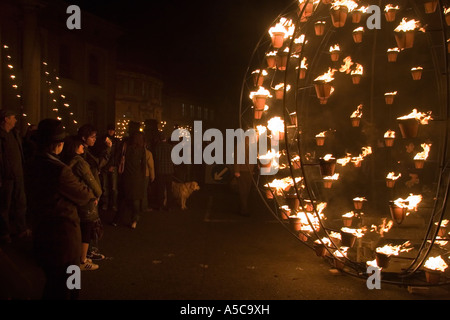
(54, 195)
(108, 174)
(164, 172)
(13, 204)
(149, 178)
(132, 179)
(244, 173)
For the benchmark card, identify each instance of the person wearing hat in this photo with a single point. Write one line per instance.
(13, 205)
(54, 194)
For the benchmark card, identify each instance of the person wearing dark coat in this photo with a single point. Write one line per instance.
(55, 193)
(132, 178)
(164, 171)
(13, 205)
(89, 217)
(88, 134)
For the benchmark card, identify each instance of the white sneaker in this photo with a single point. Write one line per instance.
(88, 266)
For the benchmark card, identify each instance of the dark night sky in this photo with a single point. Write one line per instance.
(193, 44)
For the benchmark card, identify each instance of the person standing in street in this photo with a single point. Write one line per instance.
(55, 193)
(164, 171)
(132, 180)
(13, 203)
(244, 174)
(109, 174)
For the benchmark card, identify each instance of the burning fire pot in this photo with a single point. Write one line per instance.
(382, 259)
(319, 28)
(320, 249)
(339, 15)
(390, 13)
(323, 89)
(430, 6)
(296, 223)
(293, 202)
(409, 127)
(348, 238)
(405, 39)
(416, 73)
(398, 214)
(392, 54)
(327, 166)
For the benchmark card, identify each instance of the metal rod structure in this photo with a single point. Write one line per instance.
(296, 141)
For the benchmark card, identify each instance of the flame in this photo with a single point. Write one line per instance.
(271, 154)
(350, 214)
(257, 71)
(328, 157)
(390, 7)
(365, 151)
(356, 232)
(360, 29)
(351, 5)
(271, 54)
(322, 134)
(416, 68)
(343, 161)
(358, 112)
(391, 93)
(301, 40)
(359, 199)
(282, 184)
(303, 64)
(325, 241)
(436, 263)
(281, 86)
(410, 203)
(444, 223)
(327, 77)
(285, 26)
(393, 49)
(312, 217)
(347, 65)
(392, 250)
(276, 124)
(333, 177)
(260, 129)
(392, 176)
(358, 70)
(335, 48)
(362, 9)
(424, 154)
(389, 134)
(405, 26)
(446, 10)
(422, 117)
(261, 92)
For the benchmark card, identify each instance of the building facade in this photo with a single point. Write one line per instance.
(138, 96)
(57, 72)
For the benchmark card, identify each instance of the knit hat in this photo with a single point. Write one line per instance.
(50, 131)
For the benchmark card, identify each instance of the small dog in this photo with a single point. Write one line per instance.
(182, 191)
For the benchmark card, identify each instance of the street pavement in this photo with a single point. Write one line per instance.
(207, 252)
